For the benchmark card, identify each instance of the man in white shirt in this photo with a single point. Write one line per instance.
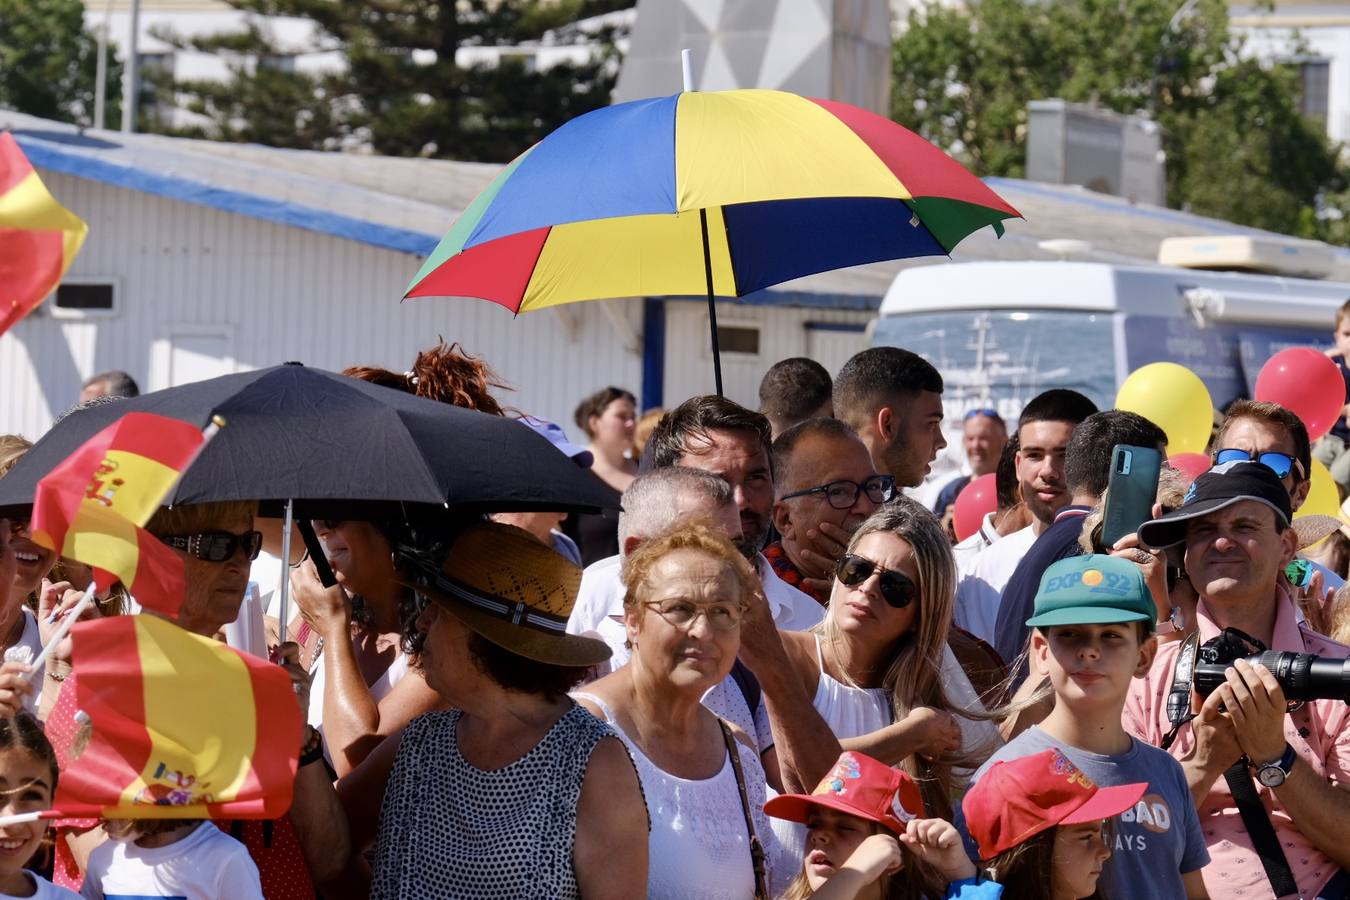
(1043, 434)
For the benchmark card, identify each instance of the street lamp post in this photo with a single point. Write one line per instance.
(131, 81)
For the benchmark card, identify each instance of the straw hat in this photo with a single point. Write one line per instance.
(510, 588)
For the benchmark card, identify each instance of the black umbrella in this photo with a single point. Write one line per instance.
(336, 446)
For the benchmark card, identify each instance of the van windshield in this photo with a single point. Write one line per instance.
(1001, 359)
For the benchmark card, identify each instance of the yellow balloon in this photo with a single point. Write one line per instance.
(1323, 498)
(1173, 398)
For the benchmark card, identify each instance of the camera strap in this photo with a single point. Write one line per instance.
(1254, 816)
(1258, 824)
(1179, 695)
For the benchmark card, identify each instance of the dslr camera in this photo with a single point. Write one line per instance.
(1302, 676)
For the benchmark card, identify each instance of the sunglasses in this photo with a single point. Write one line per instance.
(1279, 463)
(216, 546)
(984, 411)
(896, 588)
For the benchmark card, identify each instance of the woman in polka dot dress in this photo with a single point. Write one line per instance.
(515, 791)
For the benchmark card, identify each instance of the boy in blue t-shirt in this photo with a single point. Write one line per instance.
(1093, 632)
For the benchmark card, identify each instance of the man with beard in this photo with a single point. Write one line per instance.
(722, 437)
(893, 399)
(1043, 434)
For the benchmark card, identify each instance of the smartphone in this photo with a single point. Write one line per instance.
(1130, 491)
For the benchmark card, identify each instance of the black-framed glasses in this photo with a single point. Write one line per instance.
(682, 613)
(216, 546)
(1279, 463)
(843, 494)
(896, 588)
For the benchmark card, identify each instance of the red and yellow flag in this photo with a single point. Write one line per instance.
(175, 725)
(92, 506)
(38, 236)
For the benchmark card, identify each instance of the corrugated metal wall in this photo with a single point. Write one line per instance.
(192, 278)
(783, 332)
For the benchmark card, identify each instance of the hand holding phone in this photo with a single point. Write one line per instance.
(1130, 491)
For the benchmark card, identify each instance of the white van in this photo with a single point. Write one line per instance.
(1002, 332)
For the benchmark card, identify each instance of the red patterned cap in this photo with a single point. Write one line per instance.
(859, 786)
(1016, 800)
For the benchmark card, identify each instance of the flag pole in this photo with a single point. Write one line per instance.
(37, 816)
(69, 619)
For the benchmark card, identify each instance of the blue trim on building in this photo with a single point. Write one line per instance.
(653, 352)
(43, 155)
(850, 327)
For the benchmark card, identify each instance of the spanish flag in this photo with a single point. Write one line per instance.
(38, 236)
(173, 725)
(92, 506)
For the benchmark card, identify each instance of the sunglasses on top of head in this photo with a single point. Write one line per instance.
(896, 588)
(216, 546)
(1279, 463)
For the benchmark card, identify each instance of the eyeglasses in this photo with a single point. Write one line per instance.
(216, 546)
(843, 494)
(682, 613)
(896, 588)
(1279, 463)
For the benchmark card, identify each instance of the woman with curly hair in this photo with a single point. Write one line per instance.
(364, 688)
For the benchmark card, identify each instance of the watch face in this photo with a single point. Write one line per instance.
(1271, 776)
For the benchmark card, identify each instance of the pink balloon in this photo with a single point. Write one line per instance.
(978, 497)
(1306, 382)
(1192, 465)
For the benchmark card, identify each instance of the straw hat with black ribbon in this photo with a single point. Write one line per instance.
(507, 586)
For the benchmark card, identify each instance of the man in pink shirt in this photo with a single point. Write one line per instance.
(1233, 530)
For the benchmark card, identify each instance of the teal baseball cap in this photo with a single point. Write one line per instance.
(1092, 590)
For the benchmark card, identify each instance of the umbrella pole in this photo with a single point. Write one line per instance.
(284, 588)
(712, 307)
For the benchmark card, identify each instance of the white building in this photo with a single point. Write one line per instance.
(1315, 36)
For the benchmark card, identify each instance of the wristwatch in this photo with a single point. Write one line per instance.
(1273, 774)
(1169, 625)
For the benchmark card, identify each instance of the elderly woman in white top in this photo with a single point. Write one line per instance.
(687, 592)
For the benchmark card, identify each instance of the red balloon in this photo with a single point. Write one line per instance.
(978, 497)
(1192, 465)
(1306, 382)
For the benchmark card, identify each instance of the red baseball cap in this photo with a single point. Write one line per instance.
(1017, 800)
(859, 786)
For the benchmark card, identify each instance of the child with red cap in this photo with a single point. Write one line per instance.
(1038, 822)
(867, 839)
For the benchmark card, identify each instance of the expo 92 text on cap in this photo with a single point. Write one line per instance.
(1018, 799)
(1092, 590)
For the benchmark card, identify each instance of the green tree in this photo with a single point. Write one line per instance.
(1237, 147)
(49, 60)
(399, 89)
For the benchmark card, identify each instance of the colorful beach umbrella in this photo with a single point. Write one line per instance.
(720, 193)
